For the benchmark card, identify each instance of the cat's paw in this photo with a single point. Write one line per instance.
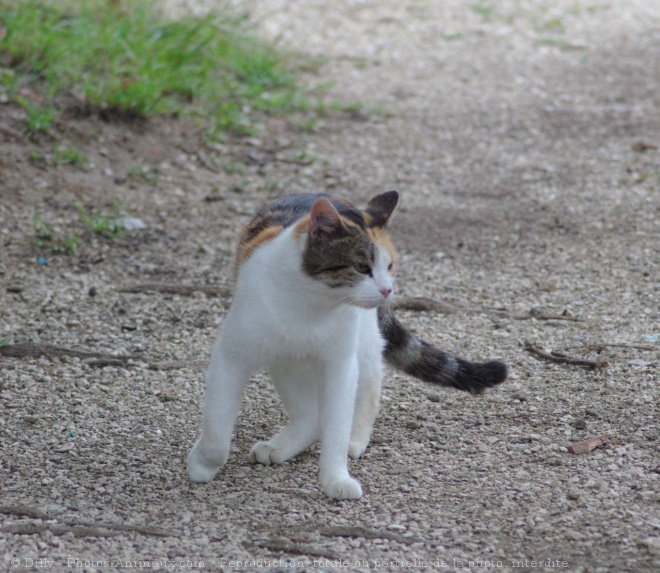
(345, 488)
(266, 454)
(356, 448)
(204, 462)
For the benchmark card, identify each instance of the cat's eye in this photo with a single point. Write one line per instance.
(390, 267)
(362, 268)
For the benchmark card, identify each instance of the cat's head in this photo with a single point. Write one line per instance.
(349, 250)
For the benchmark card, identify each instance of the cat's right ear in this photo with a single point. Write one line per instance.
(324, 220)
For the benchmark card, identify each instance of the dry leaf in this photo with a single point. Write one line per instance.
(589, 444)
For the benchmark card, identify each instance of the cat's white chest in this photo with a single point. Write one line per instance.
(282, 313)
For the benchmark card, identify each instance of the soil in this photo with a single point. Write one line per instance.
(524, 140)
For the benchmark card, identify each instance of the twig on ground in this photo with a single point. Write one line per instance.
(543, 316)
(34, 349)
(287, 546)
(68, 525)
(94, 359)
(423, 304)
(175, 365)
(56, 529)
(103, 362)
(23, 511)
(563, 358)
(183, 290)
(365, 533)
(601, 346)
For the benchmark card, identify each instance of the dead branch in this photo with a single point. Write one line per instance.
(365, 533)
(77, 530)
(183, 290)
(563, 358)
(94, 359)
(103, 362)
(22, 511)
(68, 525)
(36, 349)
(601, 346)
(175, 365)
(287, 546)
(543, 316)
(423, 304)
(127, 527)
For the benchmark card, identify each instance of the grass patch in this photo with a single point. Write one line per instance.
(148, 173)
(484, 9)
(110, 227)
(124, 58)
(65, 156)
(90, 222)
(46, 237)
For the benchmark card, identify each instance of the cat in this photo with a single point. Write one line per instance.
(314, 278)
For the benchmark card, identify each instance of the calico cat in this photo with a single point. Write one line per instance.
(314, 278)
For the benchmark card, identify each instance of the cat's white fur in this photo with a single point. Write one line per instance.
(323, 350)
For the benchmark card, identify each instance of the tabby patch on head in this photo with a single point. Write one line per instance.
(343, 244)
(342, 250)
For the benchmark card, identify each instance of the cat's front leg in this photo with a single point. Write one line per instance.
(296, 384)
(226, 379)
(336, 416)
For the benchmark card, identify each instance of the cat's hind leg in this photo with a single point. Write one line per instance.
(296, 383)
(226, 379)
(367, 403)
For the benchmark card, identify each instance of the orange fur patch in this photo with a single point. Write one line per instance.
(381, 237)
(302, 226)
(245, 249)
(349, 223)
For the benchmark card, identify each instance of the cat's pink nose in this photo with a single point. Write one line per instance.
(386, 292)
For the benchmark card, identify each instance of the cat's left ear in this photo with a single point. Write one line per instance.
(381, 207)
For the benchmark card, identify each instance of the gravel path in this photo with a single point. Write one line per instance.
(523, 138)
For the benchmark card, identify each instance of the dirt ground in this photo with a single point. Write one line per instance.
(524, 140)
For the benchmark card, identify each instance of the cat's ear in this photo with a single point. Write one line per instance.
(324, 220)
(381, 207)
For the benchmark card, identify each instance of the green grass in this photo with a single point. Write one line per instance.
(484, 9)
(124, 58)
(65, 156)
(148, 173)
(47, 238)
(100, 224)
(90, 222)
(39, 118)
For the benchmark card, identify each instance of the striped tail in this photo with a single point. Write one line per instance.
(414, 356)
